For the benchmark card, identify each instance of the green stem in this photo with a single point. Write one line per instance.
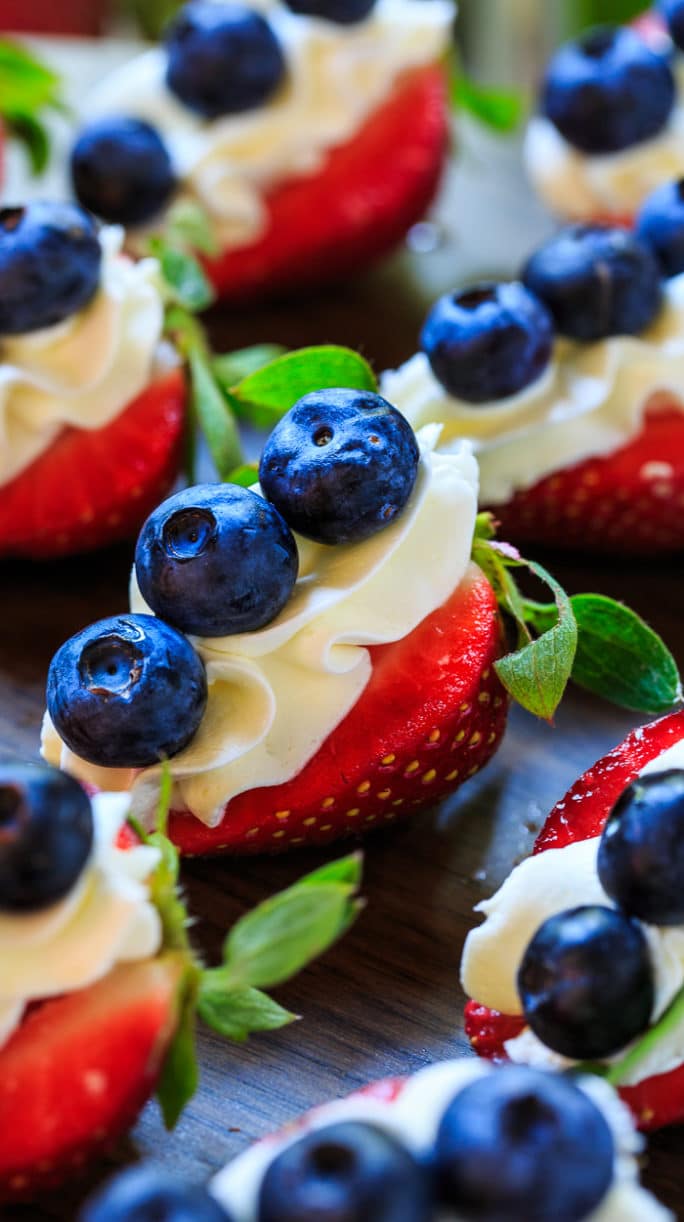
(671, 1019)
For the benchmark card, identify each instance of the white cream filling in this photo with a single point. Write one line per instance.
(537, 889)
(589, 402)
(275, 695)
(414, 1118)
(107, 918)
(86, 370)
(337, 76)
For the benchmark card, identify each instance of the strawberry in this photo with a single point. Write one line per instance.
(629, 501)
(41, 16)
(580, 815)
(432, 714)
(361, 203)
(90, 489)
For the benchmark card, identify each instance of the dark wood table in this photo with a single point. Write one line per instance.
(387, 999)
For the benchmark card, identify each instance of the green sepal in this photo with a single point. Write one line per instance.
(670, 1021)
(245, 475)
(184, 279)
(237, 1013)
(265, 396)
(180, 1072)
(27, 89)
(537, 674)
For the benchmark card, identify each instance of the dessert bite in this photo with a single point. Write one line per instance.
(304, 138)
(579, 959)
(569, 385)
(92, 398)
(459, 1141)
(100, 987)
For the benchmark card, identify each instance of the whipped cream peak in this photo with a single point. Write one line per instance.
(87, 369)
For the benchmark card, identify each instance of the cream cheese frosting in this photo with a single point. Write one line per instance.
(85, 370)
(414, 1118)
(107, 918)
(337, 75)
(537, 889)
(590, 401)
(275, 695)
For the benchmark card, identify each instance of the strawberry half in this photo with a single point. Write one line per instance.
(431, 715)
(629, 501)
(357, 207)
(581, 815)
(93, 488)
(42, 16)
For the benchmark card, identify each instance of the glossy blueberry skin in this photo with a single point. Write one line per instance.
(608, 90)
(340, 466)
(50, 261)
(342, 12)
(488, 342)
(596, 282)
(143, 1194)
(673, 12)
(523, 1143)
(215, 560)
(222, 58)
(347, 1172)
(586, 982)
(122, 171)
(641, 854)
(660, 226)
(46, 836)
(127, 692)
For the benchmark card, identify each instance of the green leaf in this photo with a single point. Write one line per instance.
(500, 109)
(245, 476)
(214, 416)
(347, 870)
(27, 89)
(669, 1022)
(282, 935)
(537, 675)
(180, 1072)
(184, 277)
(236, 1013)
(265, 396)
(188, 226)
(232, 367)
(35, 140)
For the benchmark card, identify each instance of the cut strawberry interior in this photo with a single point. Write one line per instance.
(431, 715)
(358, 206)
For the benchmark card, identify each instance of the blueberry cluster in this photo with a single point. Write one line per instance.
(221, 59)
(216, 560)
(586, 981)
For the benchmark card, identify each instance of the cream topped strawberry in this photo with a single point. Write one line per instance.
(308, 138)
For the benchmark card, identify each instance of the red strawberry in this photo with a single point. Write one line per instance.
(75, 1074)
(45, 17)
(580, 815)
(630, 501)
(431, 715)
(91, 489)
(362, 202)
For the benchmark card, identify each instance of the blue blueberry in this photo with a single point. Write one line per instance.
(144, 1194)
(347, 1172)
(596, 282)
(50, 260)
(223, 58)
(122, 171)
(342, 12)
(488, 342)
(660, 225)
(340, 466)
(522, 1143)
(608, 90)
(127, 692)
(641, 854)
(216, 560)
(673, 12)
(586, 982)
(46, 836)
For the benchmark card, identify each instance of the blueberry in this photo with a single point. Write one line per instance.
(660, 225)
(121, 170)
(487, 342)
(608, 90)
(340, 466)
(50, 259)
(144, 1194)
(596, 282)
(673, 12)
(342, 12)
(127, 692)
(523, 1143)
(215, 560)
(46, 836)
(586, 982)
(348, 1172)
(223, 58)
(641, 854)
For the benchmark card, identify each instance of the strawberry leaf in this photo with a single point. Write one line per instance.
(245, 476)
(670, 1021)
(236, 1013)
(187, 226)
(184, 278)
(233, 367)
(265, 396)
(214, 417)
(180, 1072)
(537, 674)
(27, 89)
(500, 109)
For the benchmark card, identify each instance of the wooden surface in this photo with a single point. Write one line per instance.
(387, 1000)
